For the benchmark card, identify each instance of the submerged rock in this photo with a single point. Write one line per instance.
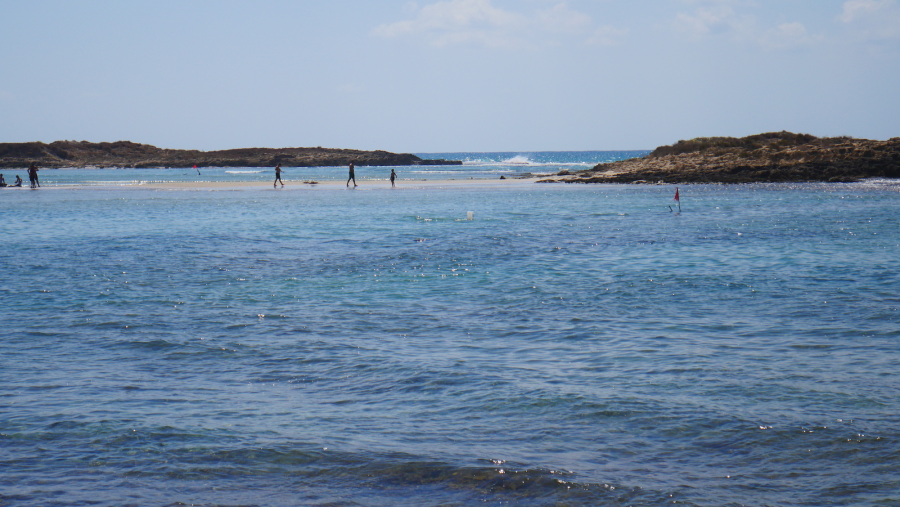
(438, 161)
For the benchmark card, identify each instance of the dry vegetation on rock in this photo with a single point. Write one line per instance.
(771, 157)
(128, 154)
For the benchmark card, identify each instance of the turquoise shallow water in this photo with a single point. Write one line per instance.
(572, 345)
(475, 166)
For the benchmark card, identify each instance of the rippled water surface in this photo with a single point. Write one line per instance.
(571, 345)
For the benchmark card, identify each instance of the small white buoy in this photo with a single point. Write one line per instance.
(470, 215)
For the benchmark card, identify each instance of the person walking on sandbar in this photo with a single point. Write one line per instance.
(32, 175)
(393, 177)
(278, 176)
(352, 175)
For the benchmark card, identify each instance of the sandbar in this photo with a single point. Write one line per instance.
(301, 185)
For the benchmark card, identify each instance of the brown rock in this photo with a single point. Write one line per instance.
(770, 157)
(128, 154)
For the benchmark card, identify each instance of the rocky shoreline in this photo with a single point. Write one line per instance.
(770, 157)
(80, 154)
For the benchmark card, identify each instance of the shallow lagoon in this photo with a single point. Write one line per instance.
(478, 166)
(576, 345)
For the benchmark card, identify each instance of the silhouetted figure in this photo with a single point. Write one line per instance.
(278, 176)
(393, 177)
(32, 175)
(18, 181)
(352, 175)
(2, 181)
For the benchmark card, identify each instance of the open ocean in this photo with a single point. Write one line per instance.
(572, 345)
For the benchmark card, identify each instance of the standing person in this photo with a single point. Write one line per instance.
(278, 176)
(393, 176)
(32, 175)
(352, 175)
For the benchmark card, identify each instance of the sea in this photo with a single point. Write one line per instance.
(462, 343)
(474, 166)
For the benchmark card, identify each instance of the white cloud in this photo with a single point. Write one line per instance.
(450, 22)
(855, 9)
(788, 35)
(711, 18)
(456, 21)
(872, 19)
(726, 19)
(562, 19)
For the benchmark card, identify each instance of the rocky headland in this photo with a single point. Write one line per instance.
(127, 154)
(771, 157)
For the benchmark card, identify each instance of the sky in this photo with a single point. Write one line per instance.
(446, 76)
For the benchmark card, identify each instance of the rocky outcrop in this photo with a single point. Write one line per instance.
(771, 157)
(439, 161)
(128, 154)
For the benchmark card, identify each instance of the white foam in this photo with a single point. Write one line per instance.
(517, 160)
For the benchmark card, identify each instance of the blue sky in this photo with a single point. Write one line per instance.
(451, 75)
